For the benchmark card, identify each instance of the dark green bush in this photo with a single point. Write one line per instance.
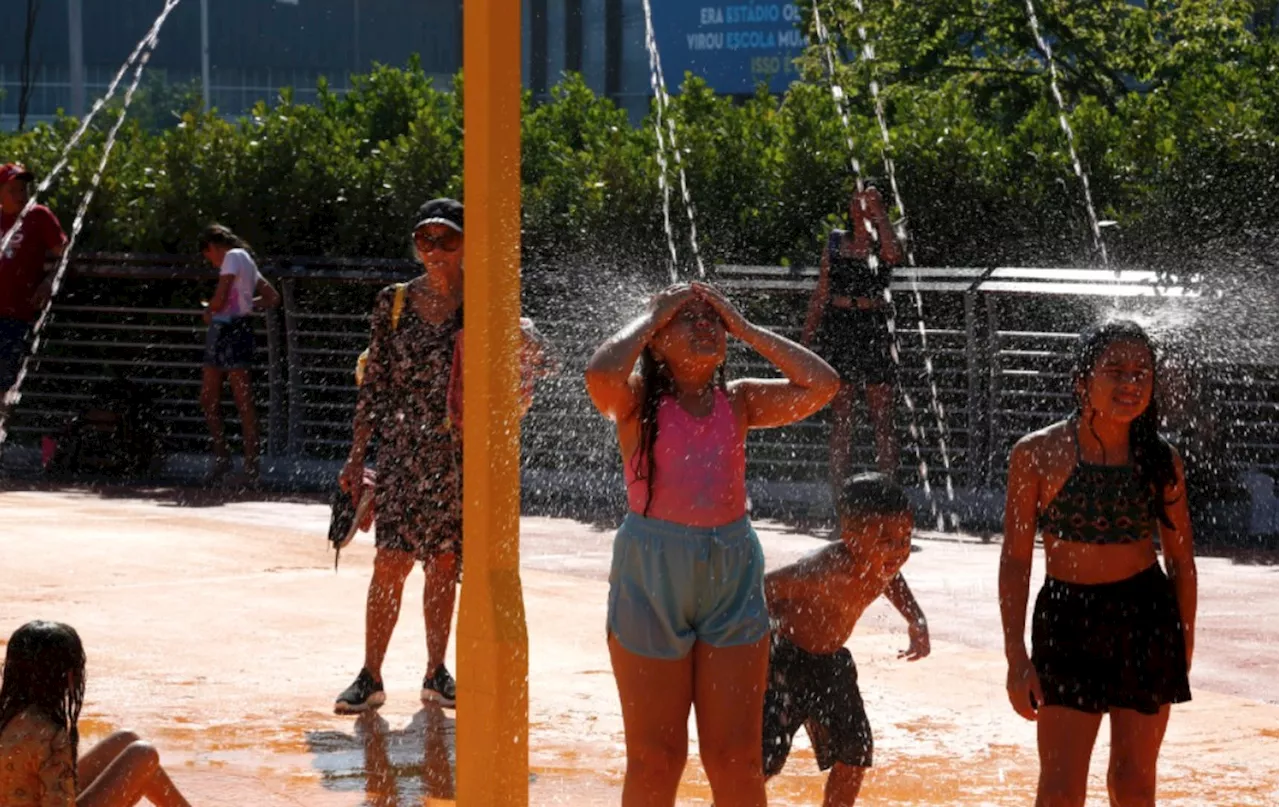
(1173, 106)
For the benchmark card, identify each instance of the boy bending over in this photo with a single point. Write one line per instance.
(815, 604)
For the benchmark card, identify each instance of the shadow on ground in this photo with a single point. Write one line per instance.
(170, 495)
(1251, 550)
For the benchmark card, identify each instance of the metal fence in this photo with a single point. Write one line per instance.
(998, 340)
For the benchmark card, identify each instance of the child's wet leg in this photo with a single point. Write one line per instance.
(843, 784)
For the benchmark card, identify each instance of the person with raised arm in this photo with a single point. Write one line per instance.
(687, 623)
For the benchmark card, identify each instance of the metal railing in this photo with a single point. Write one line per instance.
(122, 316)
(1000, 367)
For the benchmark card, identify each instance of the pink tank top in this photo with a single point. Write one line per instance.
(702, 468)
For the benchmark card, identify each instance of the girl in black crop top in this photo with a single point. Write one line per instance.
(1111, 633)
(848, 321)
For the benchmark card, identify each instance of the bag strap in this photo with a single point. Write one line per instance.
(397, 308)
(397, 305)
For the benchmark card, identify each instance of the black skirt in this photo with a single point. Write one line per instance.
(856, 345)
(1110, 646)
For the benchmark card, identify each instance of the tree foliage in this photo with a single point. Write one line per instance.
(1172, 102)
(1173, 106)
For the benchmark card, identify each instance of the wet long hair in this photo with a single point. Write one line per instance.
(1152, 456)
(217, 234)
(44, 671)
(657, 384)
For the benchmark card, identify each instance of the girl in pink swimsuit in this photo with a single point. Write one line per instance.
(687, 622)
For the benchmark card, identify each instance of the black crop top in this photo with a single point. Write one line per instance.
(1100, 504)
(853, 277)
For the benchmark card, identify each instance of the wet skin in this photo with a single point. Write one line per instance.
(1118, 391)
(1113, 394)
(817, 601)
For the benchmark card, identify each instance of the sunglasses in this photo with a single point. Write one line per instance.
(448, 241)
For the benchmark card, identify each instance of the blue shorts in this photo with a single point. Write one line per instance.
(671, 585)
(13, 349)
(229, 344)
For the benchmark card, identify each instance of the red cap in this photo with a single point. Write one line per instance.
(12, 171)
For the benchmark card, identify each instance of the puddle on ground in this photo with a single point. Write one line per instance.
(410, 761)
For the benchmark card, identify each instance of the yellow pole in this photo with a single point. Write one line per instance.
(493, 644)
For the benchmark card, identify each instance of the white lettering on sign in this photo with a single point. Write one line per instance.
(765, 66)
(754, 29)
(751, 13)
(750, 40)
(705, 41)
(791, 38)
(745, 14)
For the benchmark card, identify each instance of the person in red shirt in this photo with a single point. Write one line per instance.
(25, 284)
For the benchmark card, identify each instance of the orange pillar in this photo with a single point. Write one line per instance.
(493, 643)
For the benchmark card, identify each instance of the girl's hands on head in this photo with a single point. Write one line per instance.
(872, 203)
(735, 324)
(610, 376)
(664, 305)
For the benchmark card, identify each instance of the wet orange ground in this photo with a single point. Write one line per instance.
(219, 630)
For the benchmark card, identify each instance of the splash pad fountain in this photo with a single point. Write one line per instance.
(953, 747)
(493, 645)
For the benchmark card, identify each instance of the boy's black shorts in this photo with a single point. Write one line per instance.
(821, 693)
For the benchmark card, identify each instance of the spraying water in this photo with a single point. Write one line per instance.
(139, 59)
(935, 402)
(1098, 243)
(663, 100)
(940, 417)
(837, 95)
(147, 42)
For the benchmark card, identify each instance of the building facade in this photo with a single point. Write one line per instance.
(733, 46)
(255, 47)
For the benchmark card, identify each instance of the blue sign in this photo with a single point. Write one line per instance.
(732, 47)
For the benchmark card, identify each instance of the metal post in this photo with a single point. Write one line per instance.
(289, 296)
(613, 45)
(593, 44)
(277, 419)
(557, 29)
(204, 52)
(538, 68)
(75, 47)
(994, 431)
(355, 37)
(573, 25)
(975, 419)
(493, 642)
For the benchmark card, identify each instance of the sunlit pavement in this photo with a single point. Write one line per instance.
(220, 631)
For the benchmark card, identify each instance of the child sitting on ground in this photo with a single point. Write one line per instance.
(40, 698)
(814, 605)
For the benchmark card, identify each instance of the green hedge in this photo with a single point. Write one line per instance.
(1186, 166)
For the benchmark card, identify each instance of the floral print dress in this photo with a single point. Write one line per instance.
(404, 398)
